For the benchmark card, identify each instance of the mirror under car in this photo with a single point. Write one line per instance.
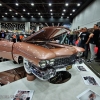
(60, 77)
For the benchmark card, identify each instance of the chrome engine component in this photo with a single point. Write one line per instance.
(79, 54)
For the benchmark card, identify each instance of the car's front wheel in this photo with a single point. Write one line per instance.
(27, 65)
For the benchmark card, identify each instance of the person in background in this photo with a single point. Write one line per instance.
(97, 59)
(3, 34)
(17, 36)
(21, 37)
(85, 41)
(14, 38)
(75, 37)
(79, 39)
(0, 34)
(67, 39)
(7, 35)
(93, 42)
(71, 38)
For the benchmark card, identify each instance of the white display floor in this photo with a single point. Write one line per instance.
(47, 91)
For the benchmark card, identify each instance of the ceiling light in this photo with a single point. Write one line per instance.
(32, 4)
(73, 10)
(67, 17)
(10, 10)
(66, 4)
(6, 13)
(64, 10)
(16, 4)
(39, 13)
(24, 10)
(16, 13)
(2, 16)
(12, 16)
(51, 10)
(61, 17)
(50, 4)
(51, 13)
(0, 4)
(78, 4)
(41, 16)
(28, 13)
(21, 16)
(31, 16)
(62, 13)
(70, 13)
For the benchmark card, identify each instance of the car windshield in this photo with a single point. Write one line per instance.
(61, 39)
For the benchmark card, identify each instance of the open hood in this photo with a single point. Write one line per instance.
(47, 33)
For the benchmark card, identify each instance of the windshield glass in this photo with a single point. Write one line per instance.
(61, 39)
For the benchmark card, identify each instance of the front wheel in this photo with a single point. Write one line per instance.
(27, 66)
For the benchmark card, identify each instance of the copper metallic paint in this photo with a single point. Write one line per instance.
(6, 49)
(79, 49)
(35, 52)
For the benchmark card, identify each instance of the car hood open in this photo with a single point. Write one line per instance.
(46, 33)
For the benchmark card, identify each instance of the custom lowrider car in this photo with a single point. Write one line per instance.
(41, 53)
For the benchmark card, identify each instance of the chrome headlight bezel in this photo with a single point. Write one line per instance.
(43, 63)
(79, 54)
(51, 62)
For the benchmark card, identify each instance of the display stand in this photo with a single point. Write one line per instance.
(31, 77)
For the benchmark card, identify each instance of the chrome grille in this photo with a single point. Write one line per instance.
(65, 61)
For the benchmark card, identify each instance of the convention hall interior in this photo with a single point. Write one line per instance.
(50, 49)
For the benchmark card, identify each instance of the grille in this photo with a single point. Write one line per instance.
(65, 61)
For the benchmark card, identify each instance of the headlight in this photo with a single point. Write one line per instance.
(43, 64)
(51, 62)
(79, 54)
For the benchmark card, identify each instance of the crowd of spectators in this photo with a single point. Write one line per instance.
(14, 36)
(89, 40)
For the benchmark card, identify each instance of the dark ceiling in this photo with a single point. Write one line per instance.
(41, 8)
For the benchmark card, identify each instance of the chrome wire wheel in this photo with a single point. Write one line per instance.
(27, 65)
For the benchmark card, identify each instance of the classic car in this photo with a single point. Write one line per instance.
(41, 53)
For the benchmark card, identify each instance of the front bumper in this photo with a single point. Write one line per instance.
(50, 71)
